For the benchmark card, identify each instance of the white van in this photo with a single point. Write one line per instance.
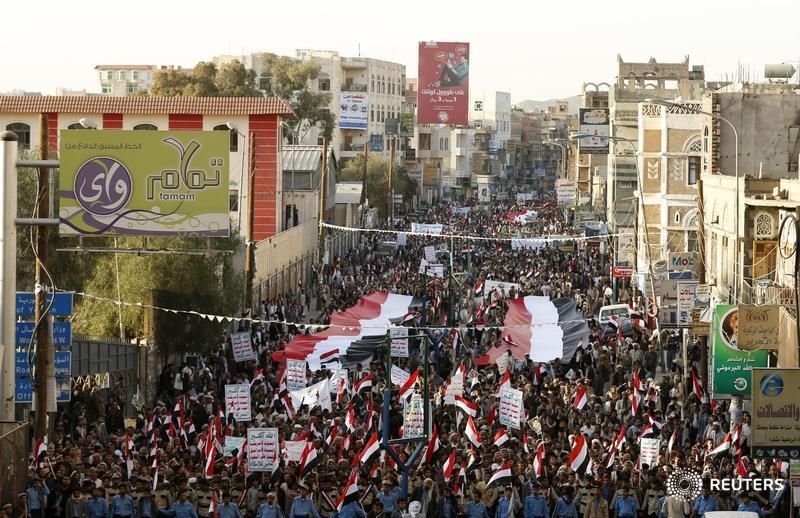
(621, 311)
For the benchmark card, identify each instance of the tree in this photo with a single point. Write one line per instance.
(288, 79)
(234, 80)
(378, 180)
(170, 83)
(205, 80)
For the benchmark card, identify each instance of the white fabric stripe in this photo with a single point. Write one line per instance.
(395, 306)
(547, 337)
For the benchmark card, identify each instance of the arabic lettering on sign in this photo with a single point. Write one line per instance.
(242, 347)
(237, 401)
(262, 449)
(758, 327)
(510, 410)
(399, 376)
(399, 337)
(413, 417)
(296, 374)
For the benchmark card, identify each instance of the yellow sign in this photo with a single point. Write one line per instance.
(758, 327)
(776, 413)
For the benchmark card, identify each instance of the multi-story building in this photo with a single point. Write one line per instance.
(635, 83)
(590, 169)
(381, 83)
(125, 80)
(742, 218)
(491, 110)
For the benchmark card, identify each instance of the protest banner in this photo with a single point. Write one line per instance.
(399, 376)
(296, 374)
(413, 417)
(399, 337)
(333, 381)
(454, 388)
(242, 347)
(262, 449)
(430, 254)
(510, 409)
(232, 443)
(502, 363)
(294, 450)
(648, 451)
(401, 240)
(318, 394)
(237, 401)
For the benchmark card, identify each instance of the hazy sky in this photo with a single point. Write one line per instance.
(534, 49)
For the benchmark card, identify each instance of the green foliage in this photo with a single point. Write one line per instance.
(205, 80)
(378, 180)
(288, 79)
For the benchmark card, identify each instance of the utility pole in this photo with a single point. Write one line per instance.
(322, 193)
(364, 186)
(248, 251)
(8, 268)
(701, 272)
(635, 249)
(43, 361)
(391, 183)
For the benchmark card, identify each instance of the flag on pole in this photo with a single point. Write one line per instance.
(447, 468)
(502, 475)
(408, 387)
(433, 446)
(363, 384)
(724, 446)
(697, 389)
(350, 491)
(671, 443)
(501, 437)
(469, 408)
(581, 398)
(308, 459)
(472, 433)
(579, 454)
(370, 449)
(538, 460)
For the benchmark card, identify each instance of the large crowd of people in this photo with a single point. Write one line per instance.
(97, 465)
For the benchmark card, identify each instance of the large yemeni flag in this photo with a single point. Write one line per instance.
(579, 455)
(354, 335)
(541, 329)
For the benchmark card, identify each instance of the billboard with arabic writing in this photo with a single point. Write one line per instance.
(144, 183)
(443, 95)
(731, 367)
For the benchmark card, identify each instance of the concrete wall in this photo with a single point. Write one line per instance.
(764, 122)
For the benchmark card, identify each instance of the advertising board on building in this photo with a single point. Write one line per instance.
(594, 121)
(686, 297)
(144, 183)
(759, 327)
(443, 95)
(353, 110)
(406, 125)
(731, 367)
(776, 413)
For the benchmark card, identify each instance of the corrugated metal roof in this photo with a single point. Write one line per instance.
(147, 105)
(349, 193)
(301, 158)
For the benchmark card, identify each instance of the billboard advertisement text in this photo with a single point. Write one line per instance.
(443, 96)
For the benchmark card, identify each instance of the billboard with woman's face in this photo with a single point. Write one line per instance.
(443, 95)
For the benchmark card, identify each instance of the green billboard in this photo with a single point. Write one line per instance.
(144, 183)
(731, 367)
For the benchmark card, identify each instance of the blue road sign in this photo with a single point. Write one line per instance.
(62, 334)
(62, 307)
(23, 390)
(63, 364)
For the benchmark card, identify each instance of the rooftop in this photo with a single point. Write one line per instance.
(147, 105)
(125, 67)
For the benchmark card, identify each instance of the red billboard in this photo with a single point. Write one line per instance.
(443, 90)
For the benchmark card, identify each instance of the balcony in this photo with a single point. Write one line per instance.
(352, 63)
(354, 87)
(762, 294)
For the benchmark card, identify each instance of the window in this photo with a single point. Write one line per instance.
(372, 84)
(234, 137)
(105, 88)
(441, 144)
(693, 165)
(134, 75)
(324, 84)
(123, 75)
(320, 141)
(478, 106)
(23, 132)
(425, 141)
(371, 114)
(145, 127)
(132, 88)
(460, 140)
(691, 240)
(109, 75)
(233, 201)
(446, 143)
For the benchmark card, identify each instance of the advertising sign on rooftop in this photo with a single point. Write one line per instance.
(443, 96)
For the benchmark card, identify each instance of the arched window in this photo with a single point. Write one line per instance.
(146, 127)
(764, 227)
(23, 132)
(234, 136)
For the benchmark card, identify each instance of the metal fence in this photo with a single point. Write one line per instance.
(14, 447)
(102, 361)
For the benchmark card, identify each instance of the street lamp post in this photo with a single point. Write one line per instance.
(736, 277)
